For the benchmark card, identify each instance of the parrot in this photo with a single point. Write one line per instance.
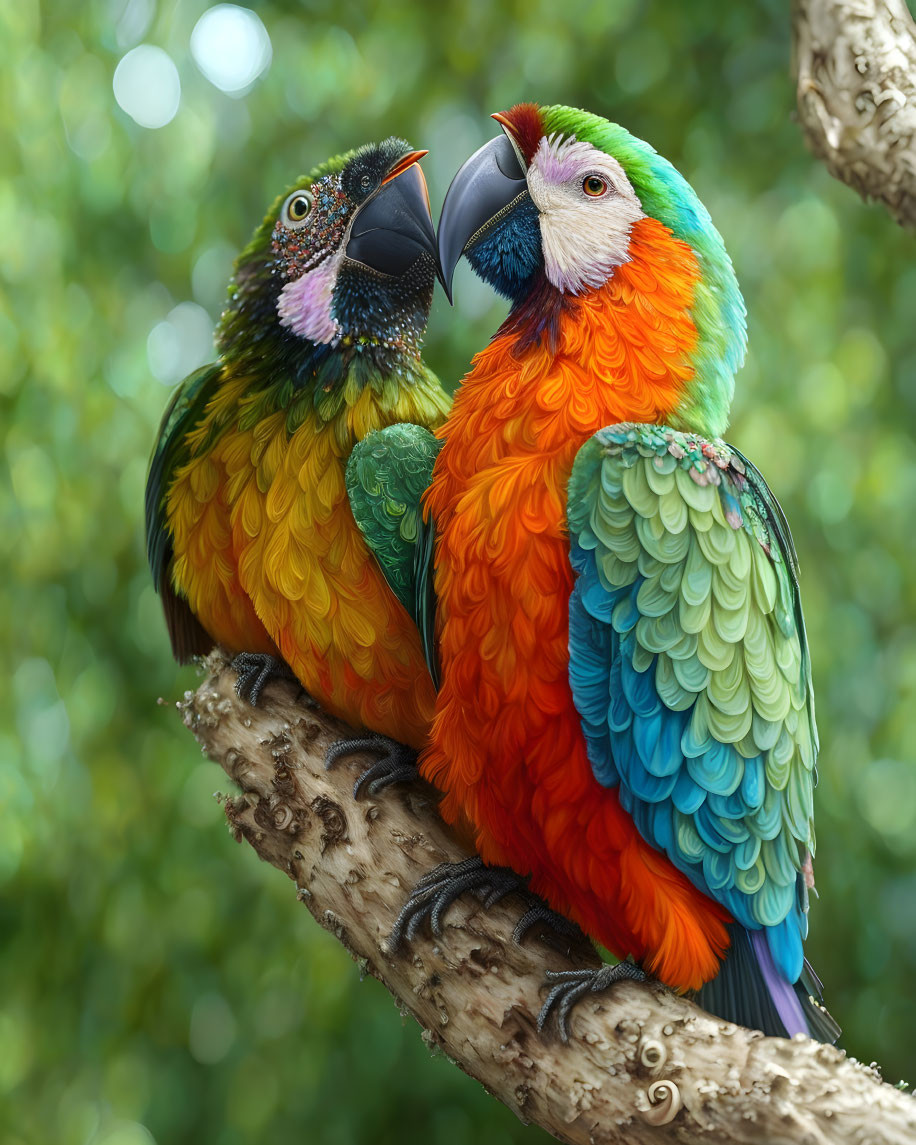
(624, 713)
(250, 536)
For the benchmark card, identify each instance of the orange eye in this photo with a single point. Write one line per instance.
(594, 186)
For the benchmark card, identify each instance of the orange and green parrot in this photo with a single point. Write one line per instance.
(625, 713)
(251, 539)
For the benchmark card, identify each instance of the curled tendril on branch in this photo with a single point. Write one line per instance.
(664, 1102)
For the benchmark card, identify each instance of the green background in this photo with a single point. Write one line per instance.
(157, 983)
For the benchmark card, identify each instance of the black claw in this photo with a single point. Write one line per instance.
(381, 775)
(397, 765)
(255, 669)
(492, 897)
(572, 985)
(437, 890)
(540, 912)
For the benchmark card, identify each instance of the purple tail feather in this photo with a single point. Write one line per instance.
(750, 991)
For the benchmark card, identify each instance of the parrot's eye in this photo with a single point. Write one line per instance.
(296, 208)
(594, 186)
(365, 182)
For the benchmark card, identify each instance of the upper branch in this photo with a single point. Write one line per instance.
(855, 63)
(643, 1066)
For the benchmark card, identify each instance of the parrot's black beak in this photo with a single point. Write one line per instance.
(485, 189)
(395, 226)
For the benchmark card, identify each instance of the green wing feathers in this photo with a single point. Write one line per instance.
(689, 666)
(183, 412)
(387, 475)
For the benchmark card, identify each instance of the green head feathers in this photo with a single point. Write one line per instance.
(718, 310)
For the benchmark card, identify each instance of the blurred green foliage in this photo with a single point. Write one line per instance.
(156, 983)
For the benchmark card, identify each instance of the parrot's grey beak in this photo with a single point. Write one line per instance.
(395, 226)
(485, 189)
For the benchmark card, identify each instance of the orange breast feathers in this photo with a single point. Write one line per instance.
(507, 746)
(264, 537)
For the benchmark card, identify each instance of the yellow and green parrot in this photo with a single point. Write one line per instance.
(250, 535)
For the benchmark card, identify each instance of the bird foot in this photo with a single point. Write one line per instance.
(255, 669)
(572, 985)
(540, 912)
(437, 890)
(397, 765)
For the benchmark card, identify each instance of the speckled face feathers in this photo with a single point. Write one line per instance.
(343, 259)
(299, 248)
(307, 258)
(308, 253)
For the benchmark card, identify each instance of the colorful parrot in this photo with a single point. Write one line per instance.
(625, 712)
(251, 540)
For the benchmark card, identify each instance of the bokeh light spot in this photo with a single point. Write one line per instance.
(147, 87)
(134, 18)
(17, 1052)
(180, 343)
(888, 790)
(127, 1133)
(210, 274)
(231, 47)
(213, 1029)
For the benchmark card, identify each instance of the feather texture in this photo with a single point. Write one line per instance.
(261, 526)
(251, 538)
(387, 475)
(507, 745)
(625, 711)
(702, 697)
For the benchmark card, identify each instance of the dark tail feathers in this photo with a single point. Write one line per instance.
(749, 990)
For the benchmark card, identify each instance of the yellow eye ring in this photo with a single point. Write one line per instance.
(297, 208)
(594, 186)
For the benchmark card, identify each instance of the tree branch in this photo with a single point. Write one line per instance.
(643, 1065)
(855, 70)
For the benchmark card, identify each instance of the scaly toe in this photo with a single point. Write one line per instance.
(436, 891)
(570, 986)
(255, 669)
(398, 763)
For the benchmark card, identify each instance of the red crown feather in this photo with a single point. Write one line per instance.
(523, 122)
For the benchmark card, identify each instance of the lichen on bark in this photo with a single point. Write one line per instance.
(855, 74)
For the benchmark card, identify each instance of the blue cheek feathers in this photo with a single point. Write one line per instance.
(507, 257)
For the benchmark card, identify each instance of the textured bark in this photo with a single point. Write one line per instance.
(643, 1065)
(855, 67)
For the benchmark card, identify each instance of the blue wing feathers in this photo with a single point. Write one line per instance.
(689, 667)
(663, 756)
(589, 679)
(717, 870)
(718, 770)
(688, 796)
(728, 806)
(785, 943)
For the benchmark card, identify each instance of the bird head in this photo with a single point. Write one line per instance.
(557, 200)
(344, 259)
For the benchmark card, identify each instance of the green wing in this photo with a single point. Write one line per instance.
(387, 474)
(689, 667)
(184, 411)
